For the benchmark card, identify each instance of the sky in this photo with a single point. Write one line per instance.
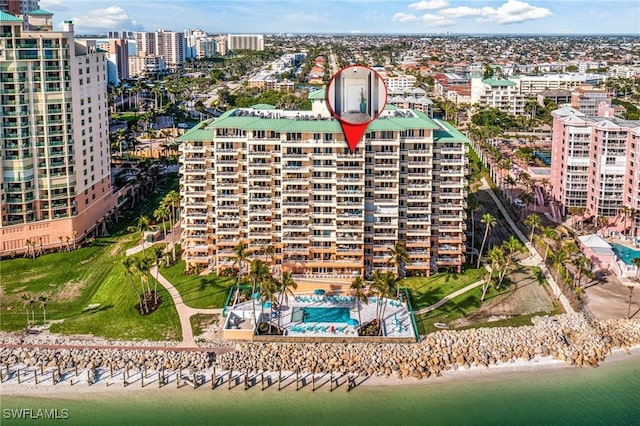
(352, 16)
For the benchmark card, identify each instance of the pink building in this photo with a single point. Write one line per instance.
(594, 163)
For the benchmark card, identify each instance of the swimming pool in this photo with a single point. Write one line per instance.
(544, 156)
(315, 314)
(625, 253)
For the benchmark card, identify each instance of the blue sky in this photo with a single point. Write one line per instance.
(353, 16)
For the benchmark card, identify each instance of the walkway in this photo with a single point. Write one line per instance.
(534, 259)
(184, 312)
(448, 297)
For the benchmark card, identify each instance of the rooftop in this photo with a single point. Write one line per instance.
(7, 17)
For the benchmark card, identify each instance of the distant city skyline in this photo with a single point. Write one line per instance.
(352, 16)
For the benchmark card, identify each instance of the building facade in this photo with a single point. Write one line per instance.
(170, 46)
(287, 179)
(55, 172)
(245, 42)
(594, 162)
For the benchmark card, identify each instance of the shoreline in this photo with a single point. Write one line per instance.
(471, 374)
(567, 340)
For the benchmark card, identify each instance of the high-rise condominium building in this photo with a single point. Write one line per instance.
(168, 45)
(54, 173)
(245, 42)
(595, 162)
(17, 7)
(287, 179)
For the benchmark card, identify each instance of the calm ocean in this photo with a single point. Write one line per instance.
(608, 395)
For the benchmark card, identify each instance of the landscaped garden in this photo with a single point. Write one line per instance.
(198, 291)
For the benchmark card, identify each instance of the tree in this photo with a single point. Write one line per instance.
(533, 220)
(129, 264)
(583, 266)
(28, 301)
(158, 253)
(142, 225)
(549, 235)
(162, 214)
(636, 262)
(258, 273)
(399, 258)
(489, 222)
(241, 254)
(511, 247)
(358, 293)
(287, 285)
(632, 214)
(43, 302)
(558, 259)
(172, 200)
(384, 288)
(473, 206)
(496, 261)
(630, 287)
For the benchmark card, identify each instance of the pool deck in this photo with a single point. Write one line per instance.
(396, 322)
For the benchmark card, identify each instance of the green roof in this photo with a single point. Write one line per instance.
(40, 12)
(319, 94)
(193, 135)
(496, 82)
(7, 17)
(451, 134)
(263, 106)
(205, 131)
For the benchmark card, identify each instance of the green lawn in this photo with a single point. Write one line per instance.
(91, 275)
(128, 116)
(425, 291)
(198, 291)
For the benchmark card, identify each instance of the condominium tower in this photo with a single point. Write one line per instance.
(287, 179)
(245, 42)
(54, 172)
(595, 161)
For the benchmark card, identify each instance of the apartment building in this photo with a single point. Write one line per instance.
(587, 99)
(594, 161)
(511, 94)
(54, 172)
(117, 59)
(142, 66)
(245, 42)
(170, 46)
(287, 179)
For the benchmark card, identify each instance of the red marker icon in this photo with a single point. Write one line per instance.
(356, 95)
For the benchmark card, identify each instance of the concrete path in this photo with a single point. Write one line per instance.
(534, 259)
(448, 297)
(184, 312)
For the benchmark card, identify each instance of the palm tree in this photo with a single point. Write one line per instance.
(489, 221)
(549, 235)
(141, 226)
(558, 260)
(358, 293)
(43, 302)
(28, 302)
(384, 287)
(172, 200)
(533, 220)
(630, 287)
(258, 273)
(268, 290)
(399, 258)
(496, 257)
(632, 214)
(583, 266)
(287, 285)
(162, 213)
(158, 253)
(512, 246)
(473, 206)
(129, 264)
(636, 262)
(623, 211)
(241, 254)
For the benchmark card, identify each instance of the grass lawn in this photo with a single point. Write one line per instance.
(89, 276)
(200, 322)
(425, 291)
(198, 291)
(128, 116)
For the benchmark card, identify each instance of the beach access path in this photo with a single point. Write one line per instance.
(184, 312)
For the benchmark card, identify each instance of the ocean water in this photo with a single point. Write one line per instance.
(608, 395)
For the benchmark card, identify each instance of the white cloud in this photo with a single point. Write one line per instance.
(109, 18)
(53, 5)
(436, 20)
(429, 5)
(404, 17)
(460, 12)
(514, 11)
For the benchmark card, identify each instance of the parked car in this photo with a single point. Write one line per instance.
(518, 202)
